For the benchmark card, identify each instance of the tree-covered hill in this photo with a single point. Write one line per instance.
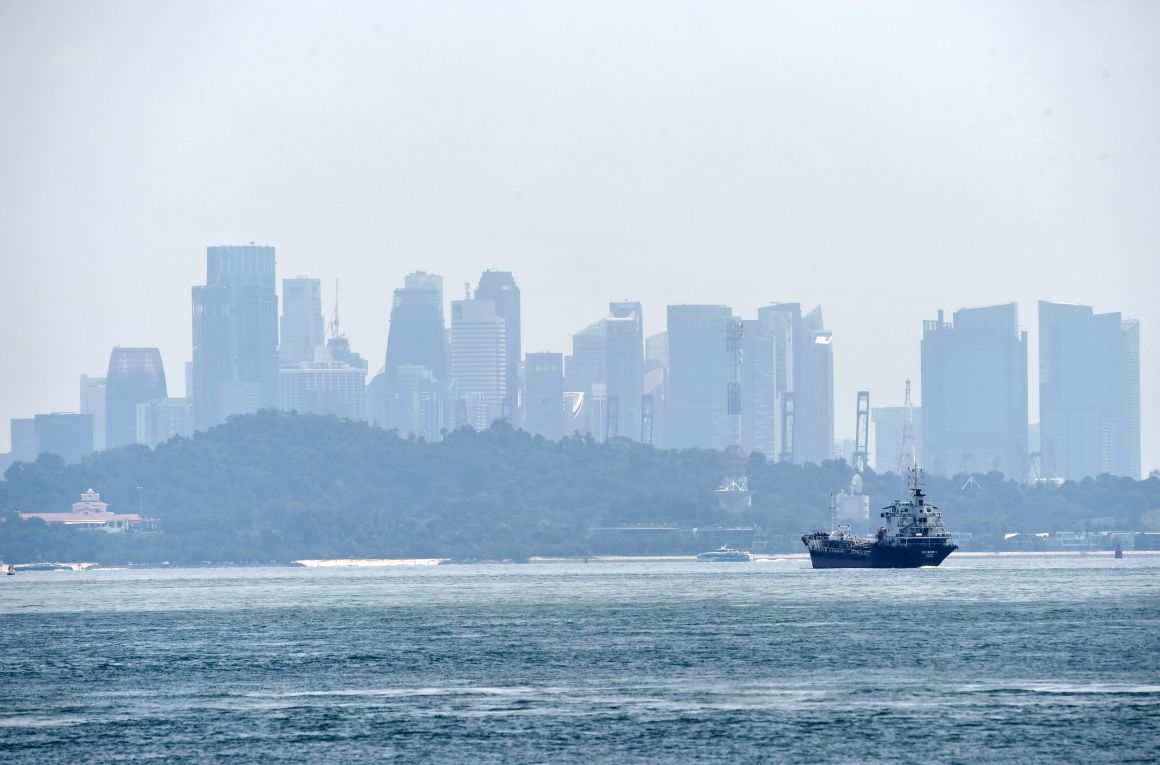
(278, 486)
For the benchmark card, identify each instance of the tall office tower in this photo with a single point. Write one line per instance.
(974, 392)
(421, 280)
(136, 376)
(781, 323)
(1089, 392)
(479, 363)
(803, 384)
(93, 402)
(301, 319)
(416, 336)
(699, 376)
(656, 389)
(588, 363)
(814, 391)
(162, 419)
(624, 369)
(235, 334)
(500, 288)
(323, 387)
(24, 445)
(758, 390)
(64, 433)
(544, 395)
(416, 404)
(889, 426)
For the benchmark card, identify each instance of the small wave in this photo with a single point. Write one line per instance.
(1069, 689)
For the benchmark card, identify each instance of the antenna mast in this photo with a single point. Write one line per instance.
(334, 323)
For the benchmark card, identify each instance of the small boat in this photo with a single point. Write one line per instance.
(10, 570)
(725, 554)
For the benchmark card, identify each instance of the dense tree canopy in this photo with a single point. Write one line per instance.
(278, 486)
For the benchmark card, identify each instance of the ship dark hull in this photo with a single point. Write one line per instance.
(877, 555)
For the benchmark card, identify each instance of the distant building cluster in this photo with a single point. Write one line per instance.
(679, 388)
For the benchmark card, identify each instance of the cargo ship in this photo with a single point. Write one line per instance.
(913, 536)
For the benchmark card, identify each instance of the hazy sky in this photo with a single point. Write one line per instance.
(882, 159)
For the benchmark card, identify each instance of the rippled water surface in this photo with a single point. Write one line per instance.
(985, 659)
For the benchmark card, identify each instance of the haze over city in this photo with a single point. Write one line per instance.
(883, 163)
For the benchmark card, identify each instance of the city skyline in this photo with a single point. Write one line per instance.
(1020, 164)
(809, 323)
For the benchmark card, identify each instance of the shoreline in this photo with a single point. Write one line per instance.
(332, 563)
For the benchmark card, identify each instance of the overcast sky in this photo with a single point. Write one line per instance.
(882, 159)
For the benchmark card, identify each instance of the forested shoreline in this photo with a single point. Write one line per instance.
(276, 486)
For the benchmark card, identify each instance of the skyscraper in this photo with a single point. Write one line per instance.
(698, 376)
(235, 334)
(974, 392)
(656, 387)
(64, 433)
(624, 369)
(1089, 392)
(500, 288)
(587, 366)
(162, 419)
(544, 399)
(301, 319)
(416, 336)
(794, 354)
(758, 390)
(135, 376)
(93, 402)
(479, 362)
(814, 391)
(323, 387)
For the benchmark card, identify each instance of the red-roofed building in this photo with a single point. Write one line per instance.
(92, 513)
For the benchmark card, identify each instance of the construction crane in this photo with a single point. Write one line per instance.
(908, 456)
(862, 433)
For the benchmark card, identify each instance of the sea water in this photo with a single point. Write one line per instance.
(983, 660)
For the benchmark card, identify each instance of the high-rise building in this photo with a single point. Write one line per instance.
(802, 417)
(479, 363)
(544, 395)
(324, 387)
(65, 433)
(1089, 392)
(135, 376)
(889, 432)
(698, 376)
(93, 402)
(656, 386)
(814, 391)
(587, 366)
(624, 369)
(421, 280)
(162, 419)
(500, 288)
(974, 392)
(235, 334)
(758, 390)
(417, 403)
(24, 444)
(417, 336)
(781, 324)
(302, 331)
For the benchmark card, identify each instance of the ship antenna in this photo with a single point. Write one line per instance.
(833, 513)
